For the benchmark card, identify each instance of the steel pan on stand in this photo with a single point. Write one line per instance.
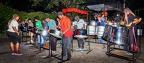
(91, 30)
(100, 30)
(120, 34)
(81, 33)
(107, 35)
(93, 23)
(56, 33)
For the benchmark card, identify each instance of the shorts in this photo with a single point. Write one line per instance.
(14, 37)
(31, 34)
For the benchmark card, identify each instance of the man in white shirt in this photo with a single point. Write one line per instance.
(79, 24)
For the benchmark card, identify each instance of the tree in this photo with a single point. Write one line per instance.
(56, 4)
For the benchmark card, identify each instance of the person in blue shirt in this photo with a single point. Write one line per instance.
(100, 22)
(53, 40)
(45, 34)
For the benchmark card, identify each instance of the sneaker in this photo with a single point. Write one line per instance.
(18, 53)
(29, 42)
(128, 53)
(13, 53)
(78, 49)
(124, 51)
(32, 41)
(54, 53)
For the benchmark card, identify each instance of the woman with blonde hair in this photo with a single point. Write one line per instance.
(129, 17)
(13, 35)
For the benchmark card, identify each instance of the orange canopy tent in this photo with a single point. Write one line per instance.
(65, 10)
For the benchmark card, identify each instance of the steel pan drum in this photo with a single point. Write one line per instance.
(56, 33)
(81, 33)
(139, 32)
(91, 30)
(113, 24)
(107, 35)
(120, 35)
(100, 30)
(93, 23)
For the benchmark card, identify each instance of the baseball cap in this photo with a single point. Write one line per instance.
(76, 17)
(60, 13)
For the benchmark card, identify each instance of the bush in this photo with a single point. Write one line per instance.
(41, 15)
(7, 12)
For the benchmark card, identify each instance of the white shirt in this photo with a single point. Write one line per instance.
(13, 23)
(79, 23)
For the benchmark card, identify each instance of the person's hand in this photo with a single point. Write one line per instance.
(61, 34)
(17, 33)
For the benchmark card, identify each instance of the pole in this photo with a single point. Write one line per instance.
(124, 4)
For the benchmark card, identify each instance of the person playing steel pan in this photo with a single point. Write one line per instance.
(79, 24)
(39, 28)
(45, 34)
(30, 28)
(100, 22)
(53, 40)
(66, 29)
(130, 18)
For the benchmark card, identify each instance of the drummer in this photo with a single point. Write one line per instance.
(100, 22)
(53, 40)
(79, 24)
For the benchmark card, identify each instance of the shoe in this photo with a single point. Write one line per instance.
(13, 53)
(64, 58)
(79, 49)
(128, 53)
(54, 53)
(18, 53)
(32, 41)
(68, 59)
(29, 42)
(125, 51)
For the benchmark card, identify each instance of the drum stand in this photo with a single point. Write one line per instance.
(131, 58)
(89, 49)
(50, 52)
(39, 46)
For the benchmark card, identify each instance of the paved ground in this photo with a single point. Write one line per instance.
(97, 55)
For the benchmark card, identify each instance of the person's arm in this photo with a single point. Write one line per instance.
(16, 31)
(69, 26)
(14, 27)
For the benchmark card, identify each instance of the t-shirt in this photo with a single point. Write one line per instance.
(131, 19)
(45, 26)
(30, 24)
(10, 25)
(38, 25)
(79, 23)
(118, 18)
(102, 23)
(64, 24)
(51, 24)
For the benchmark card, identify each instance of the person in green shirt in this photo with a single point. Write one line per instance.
(38, 24)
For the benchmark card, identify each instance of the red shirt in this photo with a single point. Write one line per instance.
(65, 23)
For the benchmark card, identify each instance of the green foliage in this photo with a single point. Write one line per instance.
(57, 4)
(6, 14)
(33, 14)
(41, 15)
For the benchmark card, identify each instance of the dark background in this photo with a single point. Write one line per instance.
(26, 5)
